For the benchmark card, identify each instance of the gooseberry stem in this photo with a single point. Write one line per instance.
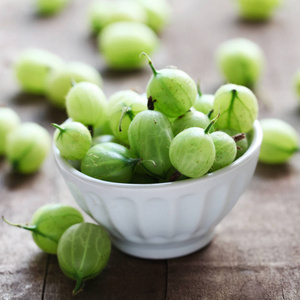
(175, 176)
(199, 89)
(124, 112)
(150, 63)
(58, 127)
(31, 228)
(79, 286)
(210, 113)
(212, 122)
(239, 136)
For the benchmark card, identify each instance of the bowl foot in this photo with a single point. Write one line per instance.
(163, 251)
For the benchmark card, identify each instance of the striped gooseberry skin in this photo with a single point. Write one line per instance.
(83, 252)
(150, 136)
(280, 141)
(237, 106)
(192, 152)
(225, 150)
(72, 139)
(172, 91)
(109, 162)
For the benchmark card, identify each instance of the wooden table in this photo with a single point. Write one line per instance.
(256, 251)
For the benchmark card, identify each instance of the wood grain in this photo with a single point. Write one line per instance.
(256, 251)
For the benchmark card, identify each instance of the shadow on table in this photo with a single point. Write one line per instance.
(14, 180)
(273, 171)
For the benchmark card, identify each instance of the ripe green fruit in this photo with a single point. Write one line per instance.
(158, 13)
(59, 82)
(9, 121)
(121, 115)
(225, 150)
(257, 10)
(83, 252)
(32, 68)
(204, 102)
(50, 7)
(280, 141)
(241, 61)
(27, 147)
(48, 224)
(124, 95)
(72, 139)
(171, 91)
(237, 106)
(121, 44)
(86, 103)
(190, 119)
(150, 135)
(106, 12)
(192, 152)
(110, 162)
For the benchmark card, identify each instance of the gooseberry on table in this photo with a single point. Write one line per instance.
(121, 43)
(72, 139)
(50, 7)
(257, 10)
(158, 13)
(105, 12)
(48, 224)
(240, 61)
(32, 68)
(280, 141)
(237, 106)
(83, 252)
(171, 91)
(59, 82)
(86, 103)
(9, 121)
(27, 147)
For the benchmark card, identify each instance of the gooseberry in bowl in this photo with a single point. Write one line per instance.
(164, 219)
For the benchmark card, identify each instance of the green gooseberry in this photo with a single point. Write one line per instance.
(192, 151)
(225, 150)
(121, 115)
(59, 82)
(204, 102)
(86, 103)
(150, 135)
(48, 224)
(9, 121)
(32, 68)
(240, 139)
(237, 106)
(241, 61)
(280, 141)
(124, 95)
(83, 252)
(121, 43)
(257, 10)
(171, 91)
(72, 139)
(102, 13)
(158, 13)
(109, 162)
(190, 119)
(50, 7)
(27, 147)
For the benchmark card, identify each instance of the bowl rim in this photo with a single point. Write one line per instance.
(254, 147)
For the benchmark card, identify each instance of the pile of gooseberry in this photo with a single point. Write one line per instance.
(157, 137)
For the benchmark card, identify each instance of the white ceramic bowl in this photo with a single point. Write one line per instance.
(163, 220)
